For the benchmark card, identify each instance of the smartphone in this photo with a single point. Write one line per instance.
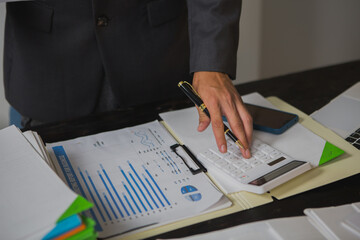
(271, 120)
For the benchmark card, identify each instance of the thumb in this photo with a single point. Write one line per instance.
(204, 121)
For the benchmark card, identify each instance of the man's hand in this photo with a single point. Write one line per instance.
(222, 99)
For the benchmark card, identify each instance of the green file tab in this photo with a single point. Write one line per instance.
(330, 152)
(80, 204)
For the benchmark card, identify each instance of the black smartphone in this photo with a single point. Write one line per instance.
(271, 120)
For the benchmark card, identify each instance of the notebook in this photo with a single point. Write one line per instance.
(342, 115)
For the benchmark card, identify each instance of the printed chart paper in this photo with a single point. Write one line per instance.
(133, 178)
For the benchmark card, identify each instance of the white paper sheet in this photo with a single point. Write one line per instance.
(133, 178)
(295, 228)
(29, 135)
(336, 222)
(33, 197)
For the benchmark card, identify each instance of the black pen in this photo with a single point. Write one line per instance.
(191, 93)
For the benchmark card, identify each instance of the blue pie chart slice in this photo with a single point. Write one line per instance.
(191, 193)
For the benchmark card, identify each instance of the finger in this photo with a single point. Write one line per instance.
(218, 127)
(247, 122)
(237, 128)
(204, 121)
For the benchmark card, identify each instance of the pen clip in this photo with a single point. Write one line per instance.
(191, 87)
(201, 168)
(191, 93)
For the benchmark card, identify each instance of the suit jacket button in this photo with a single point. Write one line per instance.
(102, 21)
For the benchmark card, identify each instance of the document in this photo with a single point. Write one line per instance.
(335, 223)
(294, 228)
(30, 199)
(133, 178)
(341, 222)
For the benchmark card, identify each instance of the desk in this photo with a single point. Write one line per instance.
(307, 91)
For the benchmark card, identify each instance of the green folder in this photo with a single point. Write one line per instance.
(79, 205)
(88, 233)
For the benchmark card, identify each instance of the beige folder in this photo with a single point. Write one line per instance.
(344, 166)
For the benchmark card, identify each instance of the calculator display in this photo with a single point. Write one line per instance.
(276, 173)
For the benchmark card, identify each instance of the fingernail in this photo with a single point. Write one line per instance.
(223, 149)
(247, 153)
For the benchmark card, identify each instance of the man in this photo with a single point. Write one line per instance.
(69, 58)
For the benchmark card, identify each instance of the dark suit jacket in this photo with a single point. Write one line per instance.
(58, 52)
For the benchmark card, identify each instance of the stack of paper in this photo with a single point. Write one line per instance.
(341, 222)
(294, 228)
(35, 203)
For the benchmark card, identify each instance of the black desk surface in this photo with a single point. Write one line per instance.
(307, 91)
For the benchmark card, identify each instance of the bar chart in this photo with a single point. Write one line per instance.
(138, 192)
(133, 179)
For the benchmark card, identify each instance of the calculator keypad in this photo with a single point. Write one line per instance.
(238, 167)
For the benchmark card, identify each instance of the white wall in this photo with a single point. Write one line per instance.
(279, 37)
(299, 35)
(249, 52)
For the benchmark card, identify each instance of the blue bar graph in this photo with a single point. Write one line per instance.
(128, 191)
(92, 196)
(71, 177)
(157, 196)
(128, 202)
(112, 197)
(131, 196)
(141, 191)
(143, 184)
(157, 186)
(98, 195)
(134, 190)
(116, 193)
(112, 209)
